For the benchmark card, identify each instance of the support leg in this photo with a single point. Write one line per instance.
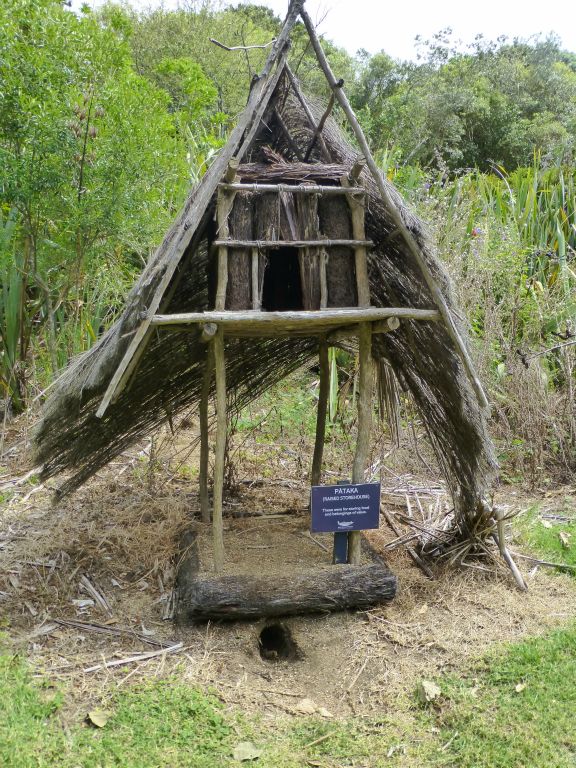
(220, 370)
(362, 454)
(321, 413)
(204, 445)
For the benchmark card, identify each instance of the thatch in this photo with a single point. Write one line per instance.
(168, 379)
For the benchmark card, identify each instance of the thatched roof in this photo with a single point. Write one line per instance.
(166, 367)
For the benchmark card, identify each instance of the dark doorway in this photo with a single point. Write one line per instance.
(282, 288)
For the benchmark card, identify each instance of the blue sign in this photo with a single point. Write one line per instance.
(345, 507)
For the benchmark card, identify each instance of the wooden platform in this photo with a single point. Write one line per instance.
(274, 568)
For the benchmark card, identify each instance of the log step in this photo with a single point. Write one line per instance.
(317, 591)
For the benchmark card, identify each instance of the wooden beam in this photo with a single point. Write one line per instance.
(295, 319)
(319, 128)
(204, 443)
(356, 170)
(395, 214)
(208, 332)
(357, 211)
(223, 208)
(362, 453)
(220, 451)
(231, 171)
(272, 244)
(302, 189)
(321, 413)
(323, 279)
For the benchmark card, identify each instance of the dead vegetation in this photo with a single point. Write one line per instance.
(87, 584)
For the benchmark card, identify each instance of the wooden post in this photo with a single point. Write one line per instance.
(321, 413)
(220, 449)
(357, 212)
(204, 444)
(362, 454)
(223, 209)
(356, 170)
(255, 280)
(323, 278)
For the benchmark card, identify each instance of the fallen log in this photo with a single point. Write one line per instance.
(318, 591)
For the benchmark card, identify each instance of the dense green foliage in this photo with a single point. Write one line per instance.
(494, 104)
(107, 117)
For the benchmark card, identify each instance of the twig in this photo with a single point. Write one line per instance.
(320, 740)
(307, 535)
(525, 358)
(241, 47)
(415, 557)
(116, 631)
(357, 675)
(450, 740)
(90, 589)
(134, 659)
(20, 480)
(561, 566)
(511, 564)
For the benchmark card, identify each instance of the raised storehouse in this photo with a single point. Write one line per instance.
(292, 241)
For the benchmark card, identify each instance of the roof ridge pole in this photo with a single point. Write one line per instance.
(394, 212)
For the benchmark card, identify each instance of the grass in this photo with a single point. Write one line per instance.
(542, 535)
(516, 710)
(161, 723)
(513, 709)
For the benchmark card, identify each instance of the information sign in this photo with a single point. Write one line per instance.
(352, 507)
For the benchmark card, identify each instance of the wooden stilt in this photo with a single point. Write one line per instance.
(362, 454)
(220, 450)
(204, 444)
(321, 414)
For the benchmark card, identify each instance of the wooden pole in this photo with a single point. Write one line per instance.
(255, 279)
(395, 214)
(204, 444)
(275, 244)
(333, 316)
(357, 211)
(362, 454)
(321, 413)
(220, 449)
(292, 189)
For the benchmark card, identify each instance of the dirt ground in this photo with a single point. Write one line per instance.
(87, 583)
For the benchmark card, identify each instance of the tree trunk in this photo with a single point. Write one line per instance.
(318, 591)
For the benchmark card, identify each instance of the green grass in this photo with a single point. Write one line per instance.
(542, 535)
(482, 720)
(500, 726)
(161, 723)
